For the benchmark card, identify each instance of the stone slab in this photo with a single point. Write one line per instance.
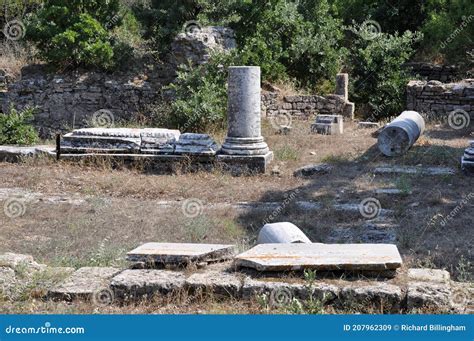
(131, 284)
(83, 283)
(357, 257)
(16, 153)
(428, 294)
(428, 275)
(414, 170)
(281, 292)
(381, 294)
(216, 282)
(315, 169)
(180, 253)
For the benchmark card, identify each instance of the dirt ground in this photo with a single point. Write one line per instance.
(91, 215)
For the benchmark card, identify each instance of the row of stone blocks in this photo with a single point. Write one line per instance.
(421, 288)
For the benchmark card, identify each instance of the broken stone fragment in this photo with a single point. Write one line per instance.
(196, 144)
(158, 140)
(15, 261)
(131, 284)
(328, 125)
(283, 232)
(429, 275)
(368, 125)
(84, 283)
(310, 170)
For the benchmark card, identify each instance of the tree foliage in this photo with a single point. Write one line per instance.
(76, 32)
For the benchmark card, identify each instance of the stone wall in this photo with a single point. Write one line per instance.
(69, 101)
(305, 106)
(437, 99)
(428, 71)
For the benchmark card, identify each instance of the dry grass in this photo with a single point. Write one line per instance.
(121, 207)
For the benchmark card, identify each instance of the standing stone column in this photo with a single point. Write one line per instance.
(342, 85)
(243, 110)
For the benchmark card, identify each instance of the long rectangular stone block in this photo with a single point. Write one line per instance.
(287, 257)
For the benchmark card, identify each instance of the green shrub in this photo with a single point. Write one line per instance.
(15, 127)
(76, 32)
(449, 30)
(200, 96)
(378, 77)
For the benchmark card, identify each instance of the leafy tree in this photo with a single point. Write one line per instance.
(377, 73)
(449, 31)
(76, 32)
(200, 98)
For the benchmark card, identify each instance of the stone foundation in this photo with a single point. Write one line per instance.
(437, 100)
(306, 106)
(428, 71)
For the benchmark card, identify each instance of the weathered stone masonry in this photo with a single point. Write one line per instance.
(437, 100)
(65, 102)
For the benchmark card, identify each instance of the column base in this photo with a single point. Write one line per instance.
(244, 146)
(241, 164)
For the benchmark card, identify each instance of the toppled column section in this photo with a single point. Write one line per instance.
(398, 136)
(281, 233)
